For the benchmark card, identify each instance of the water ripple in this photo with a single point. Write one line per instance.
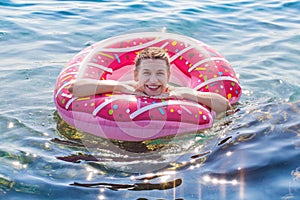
(242, 157)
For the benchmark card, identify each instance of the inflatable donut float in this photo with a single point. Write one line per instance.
(132, 118)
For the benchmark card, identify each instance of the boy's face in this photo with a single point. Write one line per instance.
(152, 76)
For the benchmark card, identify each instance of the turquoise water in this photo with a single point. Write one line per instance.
(252, 154)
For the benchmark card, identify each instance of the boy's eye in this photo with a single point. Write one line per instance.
(146, 73)
(161, 73)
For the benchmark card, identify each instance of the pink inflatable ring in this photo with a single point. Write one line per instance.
(131, 118)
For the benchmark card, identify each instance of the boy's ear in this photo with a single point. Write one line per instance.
(135, 73)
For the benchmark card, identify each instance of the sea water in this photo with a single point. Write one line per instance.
(252, 154)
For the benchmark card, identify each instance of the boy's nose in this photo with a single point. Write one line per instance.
(153, 78)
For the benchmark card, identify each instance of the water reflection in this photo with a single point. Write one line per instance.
(151, 165)
(224, 160)
(158, 154)
(162, 157)
(135, 186)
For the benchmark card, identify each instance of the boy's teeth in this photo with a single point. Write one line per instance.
(152, 86)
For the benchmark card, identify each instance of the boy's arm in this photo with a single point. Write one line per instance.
(88, 87)
(216, 102)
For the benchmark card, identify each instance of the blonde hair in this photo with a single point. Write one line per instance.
(152, 53)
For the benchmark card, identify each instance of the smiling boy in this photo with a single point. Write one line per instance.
(151, 77)
(152, 71)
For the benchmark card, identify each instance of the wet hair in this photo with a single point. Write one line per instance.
(152, 53)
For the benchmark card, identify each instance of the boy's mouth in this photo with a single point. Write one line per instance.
(153, 87)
